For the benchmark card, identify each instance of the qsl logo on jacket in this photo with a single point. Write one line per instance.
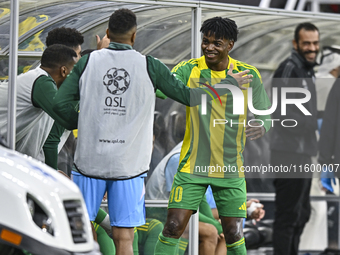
(117, 81)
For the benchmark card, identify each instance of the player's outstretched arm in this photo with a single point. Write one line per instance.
(172, 87)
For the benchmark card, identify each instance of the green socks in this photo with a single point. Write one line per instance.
(103, 220)
(166, 245)
(237, 248)
(154, 228)
(100, 216)
(106, 244)
(182, 246)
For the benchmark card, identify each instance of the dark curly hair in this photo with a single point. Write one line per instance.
(221, 28)
(66, 36)
(121, 21)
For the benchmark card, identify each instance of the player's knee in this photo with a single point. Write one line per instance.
(172, 229)
(232, 229)
(233, 234)
(122, 235)
(208, 233)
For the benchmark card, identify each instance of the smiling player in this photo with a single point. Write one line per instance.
(207, 145)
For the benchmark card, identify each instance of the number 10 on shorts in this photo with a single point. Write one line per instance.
(176, 192)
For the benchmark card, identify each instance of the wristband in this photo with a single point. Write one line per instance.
(253, 206)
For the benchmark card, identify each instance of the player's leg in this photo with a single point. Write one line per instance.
(149, 233)
(233, 233)
(106, 244)
(208, 241)
(207, 238)
(93, 191)
(123, 240)
(206, 216)
(177, 219)
(126, 211)
(185, 196)
(103, 220)
(230, 196)
(221, 248)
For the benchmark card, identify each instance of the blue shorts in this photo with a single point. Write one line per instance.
(125, 198)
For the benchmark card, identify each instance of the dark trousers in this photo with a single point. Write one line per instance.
(292, 204)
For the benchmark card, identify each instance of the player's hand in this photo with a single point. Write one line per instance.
(257, 212)
(255, 131)
(241, 78)
(250, 201)
(102, 43)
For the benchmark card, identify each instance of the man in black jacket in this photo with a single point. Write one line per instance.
(294, 146)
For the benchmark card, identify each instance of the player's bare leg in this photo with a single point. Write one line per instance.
(207, 238)
(176, 222)
(123, 240)
(221, 248)
(233, 234)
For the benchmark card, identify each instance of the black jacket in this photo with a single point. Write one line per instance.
(329, 143)
(295, 71)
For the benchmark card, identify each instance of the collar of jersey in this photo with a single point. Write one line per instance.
(47, 74)
(120, 46)
(203, 64)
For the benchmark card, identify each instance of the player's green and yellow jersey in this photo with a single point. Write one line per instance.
(214, 141)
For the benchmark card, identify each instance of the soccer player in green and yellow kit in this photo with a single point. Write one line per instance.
(214, 141)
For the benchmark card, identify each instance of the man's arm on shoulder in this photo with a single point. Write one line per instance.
(173, 87)
(179, 71)
(166, 82)
(43, 92)
(67, 97)
(159, 93)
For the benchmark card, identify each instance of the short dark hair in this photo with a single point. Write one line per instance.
(66, 36)
(57, 55)
(121, 21)
(306, 26)
(221, 28)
